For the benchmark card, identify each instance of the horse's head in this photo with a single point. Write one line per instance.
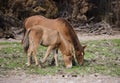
(80, 55)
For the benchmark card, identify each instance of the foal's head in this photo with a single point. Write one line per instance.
(80, 55)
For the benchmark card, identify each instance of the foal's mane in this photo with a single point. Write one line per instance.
(75, 40)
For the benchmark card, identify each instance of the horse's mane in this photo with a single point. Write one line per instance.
(75, 40)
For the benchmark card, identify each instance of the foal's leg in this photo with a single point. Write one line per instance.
(35, 47)
(34, 44)
(55, 53)
(35, 57)
(29, 57)
(47, 53)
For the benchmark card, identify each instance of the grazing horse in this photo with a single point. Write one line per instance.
(62, 26)
(50, 38)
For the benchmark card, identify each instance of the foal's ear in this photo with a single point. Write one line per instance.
(84, 46)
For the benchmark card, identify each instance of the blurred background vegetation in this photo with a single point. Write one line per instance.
(77, 12)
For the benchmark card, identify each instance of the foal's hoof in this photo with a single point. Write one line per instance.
(43, 61)
(57, 65)
(38, 65)
(27, 64)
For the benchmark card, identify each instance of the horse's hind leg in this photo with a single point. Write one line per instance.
(35, 57)
(34, 44)
(35, 54)
(29, 57)
(47, 53)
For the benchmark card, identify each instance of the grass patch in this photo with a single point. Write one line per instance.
(101, 56)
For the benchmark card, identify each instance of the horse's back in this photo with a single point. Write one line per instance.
(58, 24)
(33, 20)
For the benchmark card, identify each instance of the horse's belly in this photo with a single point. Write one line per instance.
(43, 43)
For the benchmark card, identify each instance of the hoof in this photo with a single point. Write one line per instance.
(56, 65)
(43, 61)
(38, 65)
(28, 64)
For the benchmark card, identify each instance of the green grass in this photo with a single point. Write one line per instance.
(101, 57)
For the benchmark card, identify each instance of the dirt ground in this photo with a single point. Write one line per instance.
(22, 77)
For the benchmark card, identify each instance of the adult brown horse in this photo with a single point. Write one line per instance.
(50, 38)
(62, 26)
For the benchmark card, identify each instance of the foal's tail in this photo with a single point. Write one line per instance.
(26, 41)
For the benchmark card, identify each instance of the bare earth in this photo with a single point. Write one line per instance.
(25, 78)
(22, 77)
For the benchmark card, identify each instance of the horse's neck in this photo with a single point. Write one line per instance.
(74, 38)
(76, 42)
(65, 46)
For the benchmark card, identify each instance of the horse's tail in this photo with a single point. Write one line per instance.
(24, 30)
(26, 41)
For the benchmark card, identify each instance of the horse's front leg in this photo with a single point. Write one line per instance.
(55, 52)
(47, 53)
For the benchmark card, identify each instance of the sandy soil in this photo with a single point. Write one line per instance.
(22, 77)
(85, 37)
(82, 37)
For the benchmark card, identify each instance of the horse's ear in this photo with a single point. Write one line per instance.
(84, 46)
